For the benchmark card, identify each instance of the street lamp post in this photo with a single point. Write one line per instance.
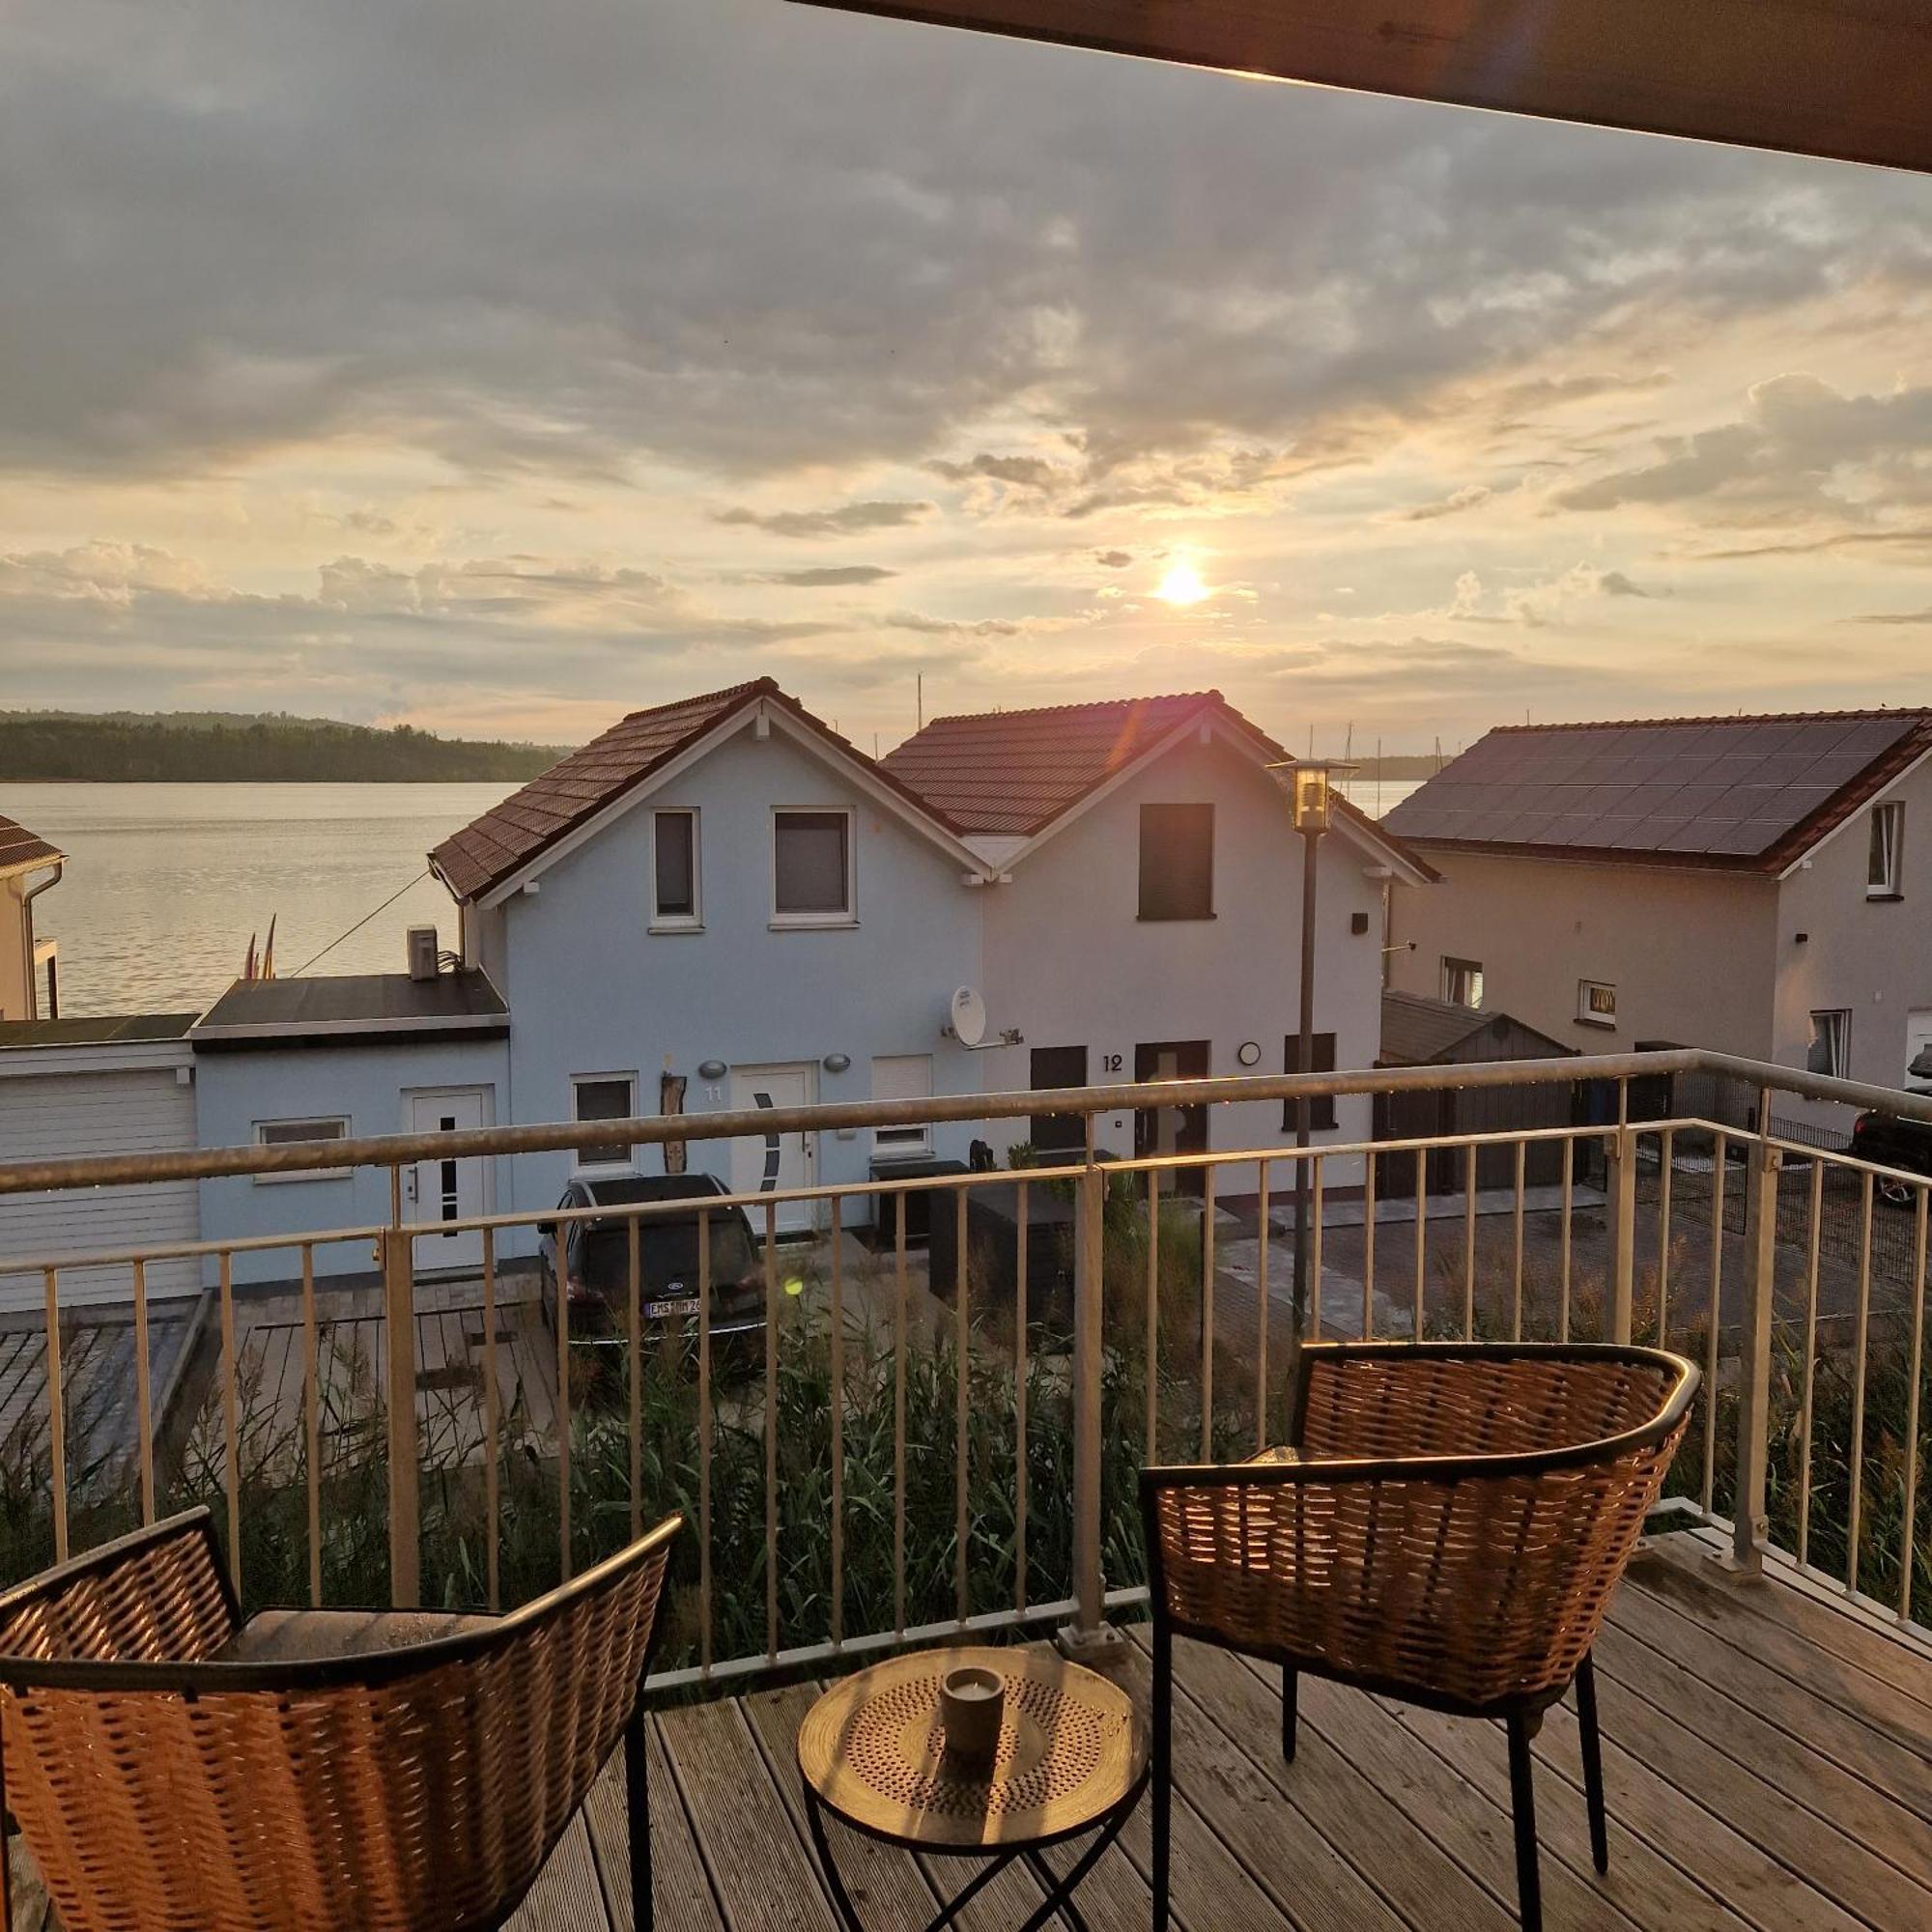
(1312, 779)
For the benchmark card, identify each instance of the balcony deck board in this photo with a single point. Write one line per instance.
(1757, 1777)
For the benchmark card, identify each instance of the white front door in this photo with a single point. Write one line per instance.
(1918, 1040)
(447, 1190)
(772, 1163)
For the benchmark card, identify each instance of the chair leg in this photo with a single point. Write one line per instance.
(1163, 1766)
(1522, 1808)
(1290, 1683)
(1593, 1763)
(636, 1785)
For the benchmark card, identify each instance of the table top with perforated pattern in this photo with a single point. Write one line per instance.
(1072, 1749)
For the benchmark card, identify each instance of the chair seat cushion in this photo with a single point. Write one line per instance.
(307, 1636)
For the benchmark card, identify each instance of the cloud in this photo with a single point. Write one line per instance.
(1025, 473)
(1467, 498)
(829, 575)
(1615, 583)
(951, 627)
(1893, 617)
(846, 519)
(1113, 559)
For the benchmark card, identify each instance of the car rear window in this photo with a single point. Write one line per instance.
(666, 1253)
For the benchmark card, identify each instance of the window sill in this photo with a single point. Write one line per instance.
(1602, 1026)
(812, 922)
(1175, 918)
(295, 1174)
(1874, 897)
(665, 927)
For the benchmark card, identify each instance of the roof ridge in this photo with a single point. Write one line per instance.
(1207, 696)
(766, 686)
(1918, 711)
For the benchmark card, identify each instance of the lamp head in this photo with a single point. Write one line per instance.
(1310, 783)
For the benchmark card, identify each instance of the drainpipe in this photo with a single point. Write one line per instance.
(27, 900)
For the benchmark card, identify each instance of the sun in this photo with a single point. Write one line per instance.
(1182, 586)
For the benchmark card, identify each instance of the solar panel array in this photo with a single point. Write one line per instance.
(1721, 787)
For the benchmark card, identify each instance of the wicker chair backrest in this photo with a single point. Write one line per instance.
(417, 1796)
(1476, 1576)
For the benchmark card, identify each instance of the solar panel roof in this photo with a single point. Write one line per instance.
(1735, 791)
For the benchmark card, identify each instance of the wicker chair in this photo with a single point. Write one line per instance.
(1445, 1527)
(170, 1769)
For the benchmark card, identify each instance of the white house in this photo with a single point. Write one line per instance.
(1597, 877)
(28, 866)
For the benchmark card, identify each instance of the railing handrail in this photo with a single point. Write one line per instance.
(648, 1129)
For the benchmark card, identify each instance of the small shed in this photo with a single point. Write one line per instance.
(1420, 1031)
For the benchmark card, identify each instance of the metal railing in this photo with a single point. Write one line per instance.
(1128, 1336)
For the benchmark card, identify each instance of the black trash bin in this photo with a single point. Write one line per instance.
(916, 1205)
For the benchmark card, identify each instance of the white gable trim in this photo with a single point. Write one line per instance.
(1234, 730)
(767, 717)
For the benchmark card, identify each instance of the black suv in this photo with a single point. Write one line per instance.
(596, 1260)
(1888, 1141)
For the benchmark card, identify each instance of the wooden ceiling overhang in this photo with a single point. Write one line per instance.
(1847, 79)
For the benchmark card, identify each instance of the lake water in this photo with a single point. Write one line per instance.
(165, 882)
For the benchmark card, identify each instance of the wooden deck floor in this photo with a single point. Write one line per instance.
(1768, 1761)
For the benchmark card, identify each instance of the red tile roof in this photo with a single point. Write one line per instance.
(1743, 793)
(1015, 772)
(20, 847)
(509, 835)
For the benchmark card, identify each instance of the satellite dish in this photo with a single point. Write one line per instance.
(969, 1017)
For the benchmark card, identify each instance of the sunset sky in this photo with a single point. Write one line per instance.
(505, 367)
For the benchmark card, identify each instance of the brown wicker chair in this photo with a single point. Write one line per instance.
(1446, 1527)
(169, 1768)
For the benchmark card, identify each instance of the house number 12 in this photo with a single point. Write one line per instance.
(1109, 1063)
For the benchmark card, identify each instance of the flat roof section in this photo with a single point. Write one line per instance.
(351, 1009)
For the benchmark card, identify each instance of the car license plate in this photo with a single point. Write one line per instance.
(665, 1311)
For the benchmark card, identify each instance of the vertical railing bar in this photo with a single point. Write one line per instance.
(57, 1414)
(771, 1432)
(493, 1423)
(1153, 1449)
(231, 1420)
(312, 1423)
(144, 1404)
(1207, 1314)
(1722, 1153)
(1568, 1222)
(962, 1440)
(1470, 1242)
(635, 1313)
(1314, 1252)
(1665, 1157)
(1521, 1180)
(704, 1609)
(899, 1427)
(1855, 1507)
(1809, 1385)
(1369, 1247)
(1421, 1242)
(1020, 1406)
(1909, 1539)
(562, 1406)
(1262, 1318)
(837, 1423)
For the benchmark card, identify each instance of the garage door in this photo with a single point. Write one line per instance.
(70, 1116)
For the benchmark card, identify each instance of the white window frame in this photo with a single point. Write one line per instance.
(1586, 1014)
(693, 920)
(1887, 832)
(339, 1122)
(1836, 1034)
(788, 920)
(579, 1165)
(1451, 966)
(902, 1143)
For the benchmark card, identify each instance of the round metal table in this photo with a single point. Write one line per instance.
(1072, 1756)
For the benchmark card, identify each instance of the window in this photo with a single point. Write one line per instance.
(903, 1076)
(279, 1133)
(1058, 1067)
(812, 867)
(1463, 981)
(603, 1096)
(674, 869)
(1177, 862)
(1320, 1112)
(1885, 875)
(1830, 1044)
(1595, 1002)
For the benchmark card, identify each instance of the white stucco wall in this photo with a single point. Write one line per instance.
(367, 1086)
(1070, 962)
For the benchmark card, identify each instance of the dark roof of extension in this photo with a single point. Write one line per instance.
(1417, 1030)
(354, 1009)
(96, 1030)
(1745, 793)
(576, 787)
(20, 847)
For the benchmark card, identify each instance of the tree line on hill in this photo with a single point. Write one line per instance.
(203, 747)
